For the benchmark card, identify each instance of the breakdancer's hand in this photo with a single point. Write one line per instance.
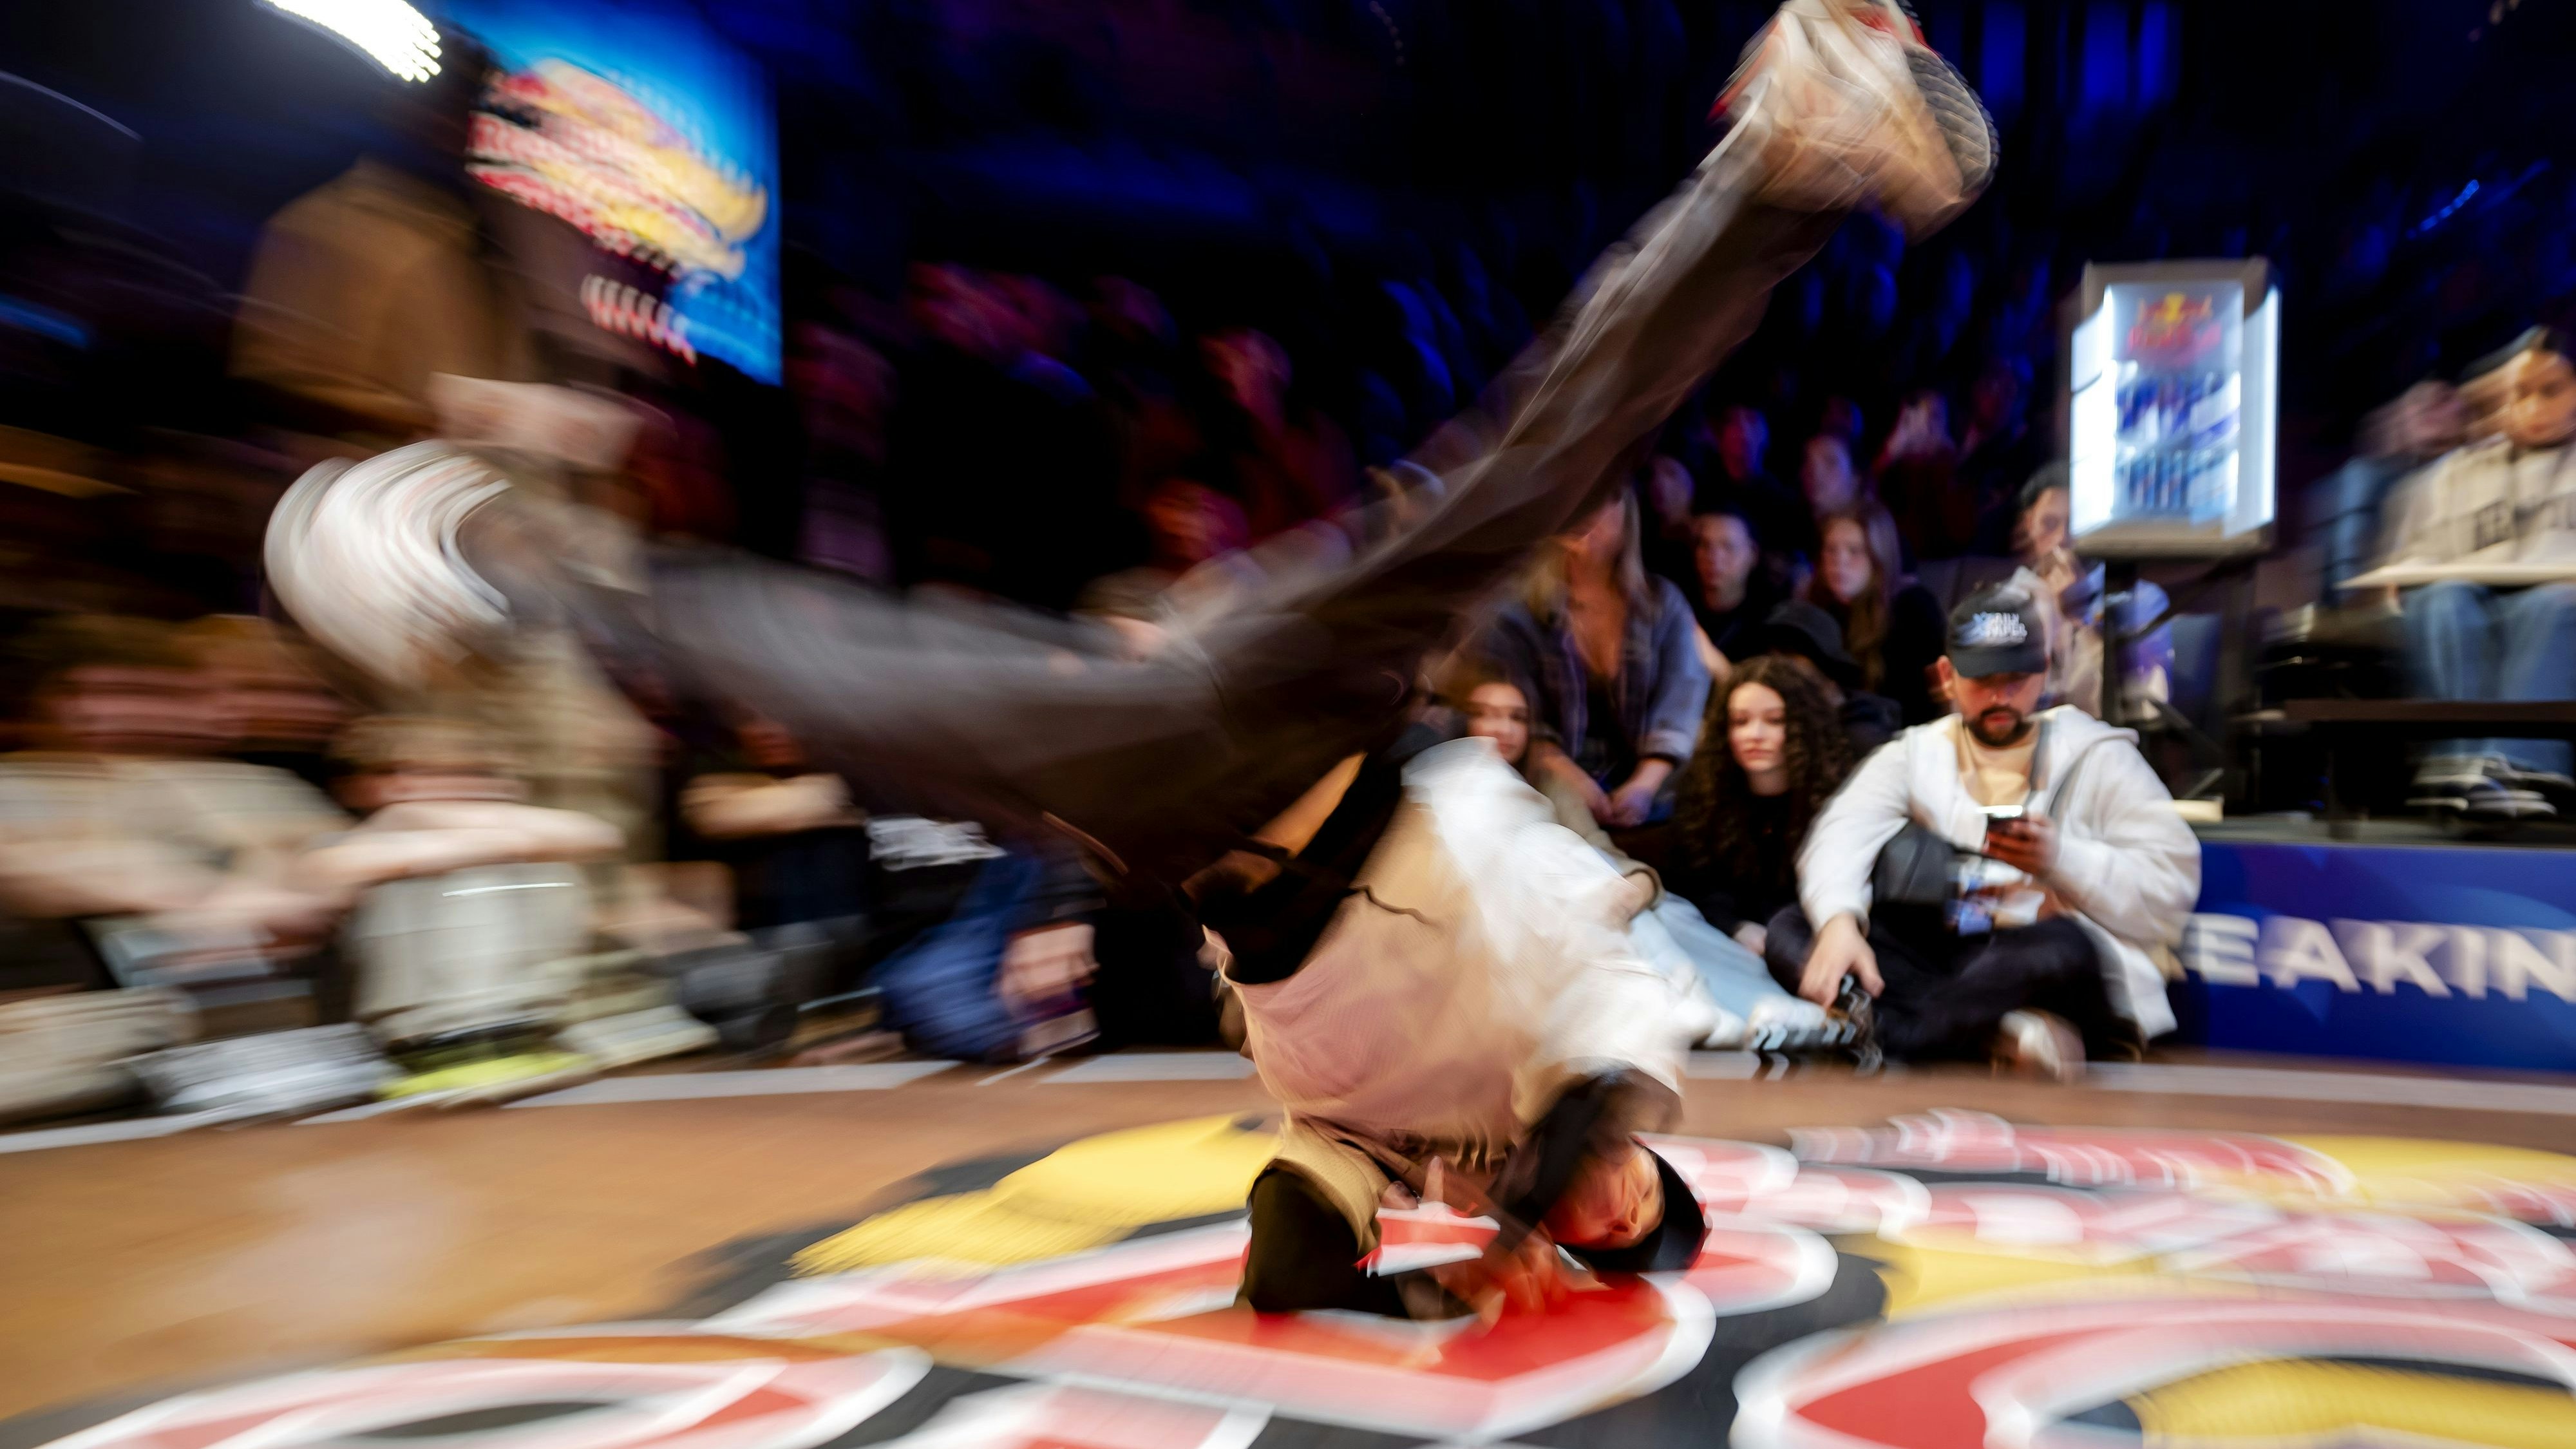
(1529, 1279)
(1637, 891)
(1841, 950)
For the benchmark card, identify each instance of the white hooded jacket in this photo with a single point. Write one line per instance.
(2126, 861)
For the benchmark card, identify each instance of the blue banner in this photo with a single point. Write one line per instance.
(2464, 955)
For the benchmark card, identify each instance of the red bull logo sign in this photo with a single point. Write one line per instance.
(2175, 328)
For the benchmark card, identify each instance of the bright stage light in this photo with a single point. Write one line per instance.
(399, 38)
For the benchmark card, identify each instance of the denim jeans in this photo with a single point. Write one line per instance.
(2469, 642)
(939, 989)
(1040, 729)
(1676, 939)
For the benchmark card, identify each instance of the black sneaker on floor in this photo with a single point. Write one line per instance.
(1834, 1035)
(1856, 1008)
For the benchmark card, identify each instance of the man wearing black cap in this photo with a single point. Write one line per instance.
(2059, 871)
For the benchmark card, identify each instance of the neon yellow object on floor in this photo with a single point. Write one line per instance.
(1082, 1195)
(468, 1076)
(2307, 1402)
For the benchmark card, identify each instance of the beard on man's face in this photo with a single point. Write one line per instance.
(1998, 725)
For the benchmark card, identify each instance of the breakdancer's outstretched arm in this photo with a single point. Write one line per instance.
(1160, 766)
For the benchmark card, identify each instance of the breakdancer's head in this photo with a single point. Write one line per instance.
(1583, 1176)
(1628, 1211)
(1614, 1201)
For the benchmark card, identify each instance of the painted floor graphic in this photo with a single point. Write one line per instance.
(1945, 1281)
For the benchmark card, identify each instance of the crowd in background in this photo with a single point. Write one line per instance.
(211, 805)
(201, 808)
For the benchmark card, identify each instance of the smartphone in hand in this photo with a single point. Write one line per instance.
(2001, 820)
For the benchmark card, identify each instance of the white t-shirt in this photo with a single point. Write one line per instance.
(2491, 503)
(2001, 776)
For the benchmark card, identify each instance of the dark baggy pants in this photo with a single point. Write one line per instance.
(1946, 994)
(1037, 725)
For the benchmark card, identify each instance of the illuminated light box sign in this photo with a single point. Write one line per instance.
(2464, 955)
(2173, 381)
(636, 125)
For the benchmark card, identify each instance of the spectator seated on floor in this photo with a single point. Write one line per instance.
(2071, 593)
(1772, 754)
(470, 907)
(2002, 882)
(123, 830)
(797, 847)
(267, 693)
(1607, 656)
(1739, 482)
(934, 933)
(1733, 594)
(1807, 639)
(2398, 441)
(1666, 487)
(1826, 477)
(1290, 463)
(1005, 972)
(2487, 536)
(1916, 476)
(1888, 622)
(1997, 450)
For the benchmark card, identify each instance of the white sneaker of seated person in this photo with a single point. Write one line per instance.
(2038, 1044)
(1728, 1034)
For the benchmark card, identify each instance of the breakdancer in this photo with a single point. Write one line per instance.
(1425, 960)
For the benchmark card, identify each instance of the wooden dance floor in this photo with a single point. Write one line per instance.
(927, 1254)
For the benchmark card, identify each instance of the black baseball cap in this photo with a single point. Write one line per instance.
(1998, 630)
(1800, 628)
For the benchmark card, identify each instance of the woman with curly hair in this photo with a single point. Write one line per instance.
(1771, 754)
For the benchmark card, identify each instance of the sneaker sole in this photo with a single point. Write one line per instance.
(1915, 140)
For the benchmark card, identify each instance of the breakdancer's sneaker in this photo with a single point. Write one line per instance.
(1849, 105)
